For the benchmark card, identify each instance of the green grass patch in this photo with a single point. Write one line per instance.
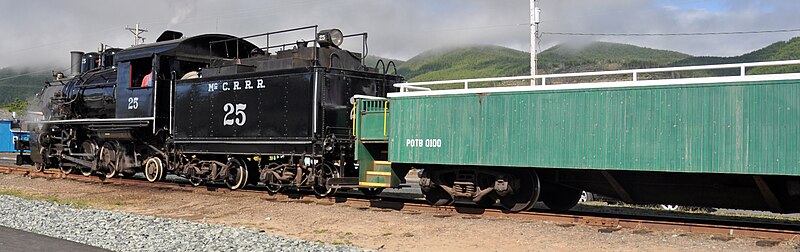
(74, 203)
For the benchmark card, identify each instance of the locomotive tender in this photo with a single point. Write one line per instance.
(211, 108)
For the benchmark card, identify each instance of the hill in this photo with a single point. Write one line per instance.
(601, 56)
(782, 50)
(465, 62)
(17, 85)
(494, 61)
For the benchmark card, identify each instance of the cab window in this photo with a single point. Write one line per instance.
(141, 73)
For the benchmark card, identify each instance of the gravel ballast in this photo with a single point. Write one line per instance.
(129, 232)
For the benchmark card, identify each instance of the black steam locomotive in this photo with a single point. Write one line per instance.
(211, 108)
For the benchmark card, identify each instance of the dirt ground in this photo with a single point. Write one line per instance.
(371, 229)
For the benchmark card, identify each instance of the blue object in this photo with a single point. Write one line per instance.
(7, 136)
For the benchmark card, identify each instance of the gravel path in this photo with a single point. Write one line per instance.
(128, 232)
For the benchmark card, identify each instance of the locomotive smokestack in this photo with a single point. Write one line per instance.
(75, 63)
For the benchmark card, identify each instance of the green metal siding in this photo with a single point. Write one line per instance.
(743, 127)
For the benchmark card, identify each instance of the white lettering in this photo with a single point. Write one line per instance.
(248, 84)
(260, 83)
(427, 143)
(133, 103)
(225, 86)
(234, 114)
(236, 85)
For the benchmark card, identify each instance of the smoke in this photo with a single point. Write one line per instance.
(182, 10)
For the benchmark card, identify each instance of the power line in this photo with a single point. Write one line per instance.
(671, 34)
(26, 74)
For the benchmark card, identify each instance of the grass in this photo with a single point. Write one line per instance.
(74, 203)
(120, 203)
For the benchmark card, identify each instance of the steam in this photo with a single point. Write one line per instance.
(182, 9)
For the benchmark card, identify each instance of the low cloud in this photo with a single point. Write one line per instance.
(44, 32)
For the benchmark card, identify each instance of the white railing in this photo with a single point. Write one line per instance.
(634, 73)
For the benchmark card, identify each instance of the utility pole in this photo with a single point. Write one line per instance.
(137, 32)
(534, 32)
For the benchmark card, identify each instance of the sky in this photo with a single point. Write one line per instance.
(41, 33)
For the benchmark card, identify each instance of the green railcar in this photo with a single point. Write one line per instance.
(716, 141)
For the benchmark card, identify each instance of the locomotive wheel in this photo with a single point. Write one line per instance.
(237, 174)
(273, 184)
(110, 173)
(525, 193)
(560, 198)
(371, 192)
(324, 171)
(153, 169)
(66, 169)
(86, 171)
(194, 180)
(39, 167)
(108, 160)
(89, 147)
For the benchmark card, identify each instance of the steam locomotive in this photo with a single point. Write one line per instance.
(211, 108)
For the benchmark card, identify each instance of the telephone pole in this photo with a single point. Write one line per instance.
(137, 34)
(534, 32)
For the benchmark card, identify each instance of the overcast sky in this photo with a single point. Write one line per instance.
(43, 32)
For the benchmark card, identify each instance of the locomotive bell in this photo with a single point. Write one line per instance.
(330, 37)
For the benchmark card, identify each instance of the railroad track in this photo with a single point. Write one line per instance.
(607, 222)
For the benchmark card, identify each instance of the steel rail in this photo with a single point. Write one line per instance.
(417, 206)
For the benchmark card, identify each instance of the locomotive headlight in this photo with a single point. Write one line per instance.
(330, 37)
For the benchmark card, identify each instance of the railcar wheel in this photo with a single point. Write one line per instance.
(525, 193)
(560, 198)
(437, 196)
(371, 192)
(237, 174)
(153, 169)
(324, 171)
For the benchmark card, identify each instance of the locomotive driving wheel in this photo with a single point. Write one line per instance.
(65, 169)
(89, 147)
(39, 167)
(108, 160)
(153, 169)
(237, 174)
(324, 171)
